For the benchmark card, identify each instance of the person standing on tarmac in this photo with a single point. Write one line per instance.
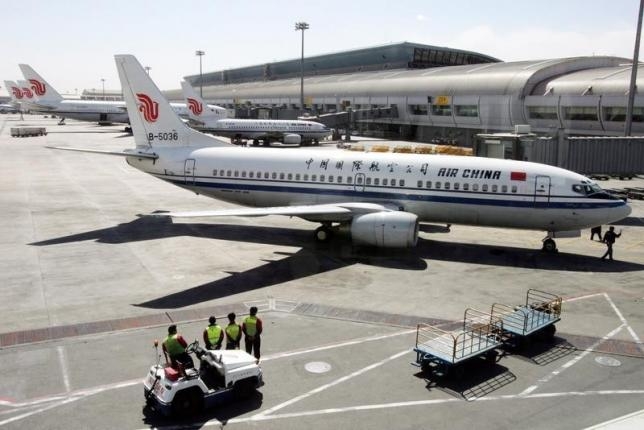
(213, 335)
(609, 240)
(174, 349)
(252, 328)
(233, 332)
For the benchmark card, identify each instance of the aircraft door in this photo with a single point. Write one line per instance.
(358, 182)
(189, 171)
(541, 191)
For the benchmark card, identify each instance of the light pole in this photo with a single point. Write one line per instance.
(303, 26)
(632, 87)
(200, 54)
(147, 70)
(103, 82)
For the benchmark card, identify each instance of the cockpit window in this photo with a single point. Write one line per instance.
(593, 191)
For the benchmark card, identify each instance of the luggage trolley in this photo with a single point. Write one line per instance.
(536, 318)
(444, 352)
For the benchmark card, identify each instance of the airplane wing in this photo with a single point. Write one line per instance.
(339, 211)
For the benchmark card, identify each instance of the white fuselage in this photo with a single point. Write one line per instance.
(267, 129)
(94, 110)
(437, 188)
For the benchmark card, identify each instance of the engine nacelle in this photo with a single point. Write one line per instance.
(292, 139)
(385, 229)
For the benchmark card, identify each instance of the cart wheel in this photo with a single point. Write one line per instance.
(187, 403)
(244, 388)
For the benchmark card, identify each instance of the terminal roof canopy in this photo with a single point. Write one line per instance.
(403, 55)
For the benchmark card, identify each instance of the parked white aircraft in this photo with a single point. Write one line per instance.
(379, 197)
(204, 115)
(48, 100)
(16, 94)
(293, 132)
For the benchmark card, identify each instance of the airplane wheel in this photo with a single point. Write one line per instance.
(322, 234)
(549, 246)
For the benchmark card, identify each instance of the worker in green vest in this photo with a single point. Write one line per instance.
(213, 335)
(233, 332)
(174, 349)
(252, 328)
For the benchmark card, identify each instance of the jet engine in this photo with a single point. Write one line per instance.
(292, 139)
(385, 229)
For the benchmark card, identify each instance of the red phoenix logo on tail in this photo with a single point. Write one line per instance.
(37, 86)
(27, 93)
(16, 92)
(195, 106)
(148, 107)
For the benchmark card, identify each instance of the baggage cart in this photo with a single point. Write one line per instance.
(537, 317)
(445, 352)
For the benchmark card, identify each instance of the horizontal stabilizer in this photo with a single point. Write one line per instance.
(126, 153)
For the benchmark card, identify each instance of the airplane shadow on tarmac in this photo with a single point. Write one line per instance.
(314, 258)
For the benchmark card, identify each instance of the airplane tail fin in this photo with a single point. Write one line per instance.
(154, 123)
(198, 110)
(14, 91)
(43, 92)
(28, 94)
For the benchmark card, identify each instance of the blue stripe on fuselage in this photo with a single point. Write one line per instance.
(409, 194)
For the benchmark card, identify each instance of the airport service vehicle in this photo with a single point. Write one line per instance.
(286, 132)
(27, 131)
(222, 376)
(379, 198)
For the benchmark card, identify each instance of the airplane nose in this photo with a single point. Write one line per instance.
(622, 211)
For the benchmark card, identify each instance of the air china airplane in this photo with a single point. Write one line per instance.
(15, 92)
(289, 132)
(48, 100)
(379, 197)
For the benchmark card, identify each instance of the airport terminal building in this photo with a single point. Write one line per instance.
(430, 93)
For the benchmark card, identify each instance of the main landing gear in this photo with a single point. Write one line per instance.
(323, 233)
(549, 244)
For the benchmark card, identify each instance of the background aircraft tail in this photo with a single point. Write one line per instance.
(14, 91)
(154, 123)
(28, 94)
(43, 92)
(198, 110)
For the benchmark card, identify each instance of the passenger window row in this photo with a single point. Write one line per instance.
(223, 173)
(456, 186)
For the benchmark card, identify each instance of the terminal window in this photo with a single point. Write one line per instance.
(418, 109)
(467, 110)
(580, 113)
(442, 110)
(542, 112)
(618, 114)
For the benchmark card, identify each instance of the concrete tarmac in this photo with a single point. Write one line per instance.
(86, 284)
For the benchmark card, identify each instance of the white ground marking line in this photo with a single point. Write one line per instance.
(589, 296)
(623, 320)
(77, 395)
(617, 420)
(416, 403)
(572, 362)
(335, 345)
(330, 384)
(63, 367)
(592, 347)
